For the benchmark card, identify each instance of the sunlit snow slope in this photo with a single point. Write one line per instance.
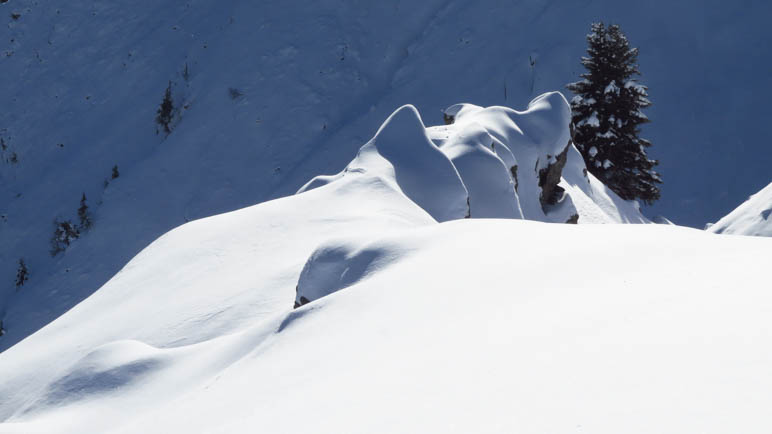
(752, 217)
(411, 317)
(268, 94)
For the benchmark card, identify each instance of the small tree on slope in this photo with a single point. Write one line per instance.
(22, 274)
(64, 234)
(166, 110)
(84, 215)
(607, 116)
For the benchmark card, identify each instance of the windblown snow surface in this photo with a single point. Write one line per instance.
(752, 217)
(412, 317)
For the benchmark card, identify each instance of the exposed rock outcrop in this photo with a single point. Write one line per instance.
(549, 178)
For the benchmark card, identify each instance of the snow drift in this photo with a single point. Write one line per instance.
(752, 217)
(450, 327)
(402, 156)
(492, 192)
(549, 174)
(497, 163)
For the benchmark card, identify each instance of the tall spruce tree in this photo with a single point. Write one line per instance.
(607, 116)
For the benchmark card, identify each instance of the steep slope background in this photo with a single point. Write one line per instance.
(269, 94)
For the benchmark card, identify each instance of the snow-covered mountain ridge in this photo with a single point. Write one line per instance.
(503, 164)
(370, 302)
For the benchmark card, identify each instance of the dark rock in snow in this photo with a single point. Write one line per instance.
(549, 179)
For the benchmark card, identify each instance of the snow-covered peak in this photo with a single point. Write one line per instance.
(752, 217)
(544, 124)
(551, 180)
(488, 162)
(402, 156)
(486, 170)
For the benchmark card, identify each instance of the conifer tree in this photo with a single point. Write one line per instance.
(22, 274)
(166, 110)
(64, 234)
(607, 116)
(83, 214)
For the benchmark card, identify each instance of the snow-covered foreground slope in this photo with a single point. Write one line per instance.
(464, 335)
(752, 217)
(471, 326)
(406, 324)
